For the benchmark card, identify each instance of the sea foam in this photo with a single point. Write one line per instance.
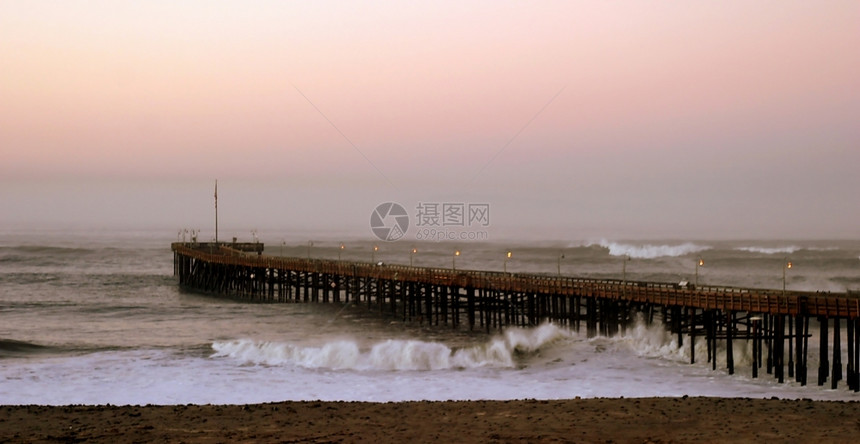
(775, 250)
(393, 354)
(649, 251)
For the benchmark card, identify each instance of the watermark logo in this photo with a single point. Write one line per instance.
(453, 214)
(389, 221)
(434, 221)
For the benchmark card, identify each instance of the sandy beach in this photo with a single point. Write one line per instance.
(656, 420)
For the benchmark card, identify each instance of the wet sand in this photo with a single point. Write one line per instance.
(659, 420)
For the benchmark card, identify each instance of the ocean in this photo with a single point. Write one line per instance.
(97, 317)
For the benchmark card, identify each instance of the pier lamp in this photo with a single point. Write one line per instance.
(412, 255)
(373, 253)
(699, 263)
(310, 244)
(507, 256)
(283, 244)
(454, 259)
(560, 257)
(340, 250)
(786, 264)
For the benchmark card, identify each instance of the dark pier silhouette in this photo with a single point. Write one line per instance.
(776, 321)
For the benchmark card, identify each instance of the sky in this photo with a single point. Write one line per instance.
(570, 120)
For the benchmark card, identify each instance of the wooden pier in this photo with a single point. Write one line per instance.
(776, 321)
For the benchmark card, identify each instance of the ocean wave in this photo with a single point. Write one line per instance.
(789, 249)
(393, 355)
(10, 348)
(44, 249)
(649, 251)
(773, 250)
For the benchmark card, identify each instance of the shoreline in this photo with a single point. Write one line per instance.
(684, 419)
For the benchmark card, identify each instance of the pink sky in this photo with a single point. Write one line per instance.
(631, 118)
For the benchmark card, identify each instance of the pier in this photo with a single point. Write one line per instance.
(776, 321)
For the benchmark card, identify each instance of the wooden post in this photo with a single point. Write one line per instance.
(591, 317)
(706, 316)
(730, 358)
(768, 340)
(856, 322)
(798, 347)
(692, 335)
(850, 367)
(715, 319)
(805, 367)
(837, 354)
(823, 365)
(779, 348)
(445, 291)
(455, 305)
(755, 350)
(428, 305)
(486, 302)
(790, 347)
(470, 307)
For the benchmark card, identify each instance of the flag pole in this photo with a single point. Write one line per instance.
(216, 212)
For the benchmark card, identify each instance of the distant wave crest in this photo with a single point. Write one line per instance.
(783, 250)
(649, 251)
(774, 250)
(392, 354)
(44, 249)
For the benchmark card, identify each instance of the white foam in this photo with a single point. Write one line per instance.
(649, 251)
(655, 341)
(403, 355)
(776, 250)
(538, 363)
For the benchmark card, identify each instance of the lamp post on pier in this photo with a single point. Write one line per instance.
(412, 255)
(699, 263)
(786, 264)
(373, 254)
(454, 259)
(624, 274)
(560, 257)
(216, 213)
(508, 255)
(340, 250)
(310, 244)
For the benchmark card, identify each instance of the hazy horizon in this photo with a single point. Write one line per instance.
(570, 121)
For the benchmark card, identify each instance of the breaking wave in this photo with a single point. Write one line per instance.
(391, 355)
(649, 251)
(775, 250)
